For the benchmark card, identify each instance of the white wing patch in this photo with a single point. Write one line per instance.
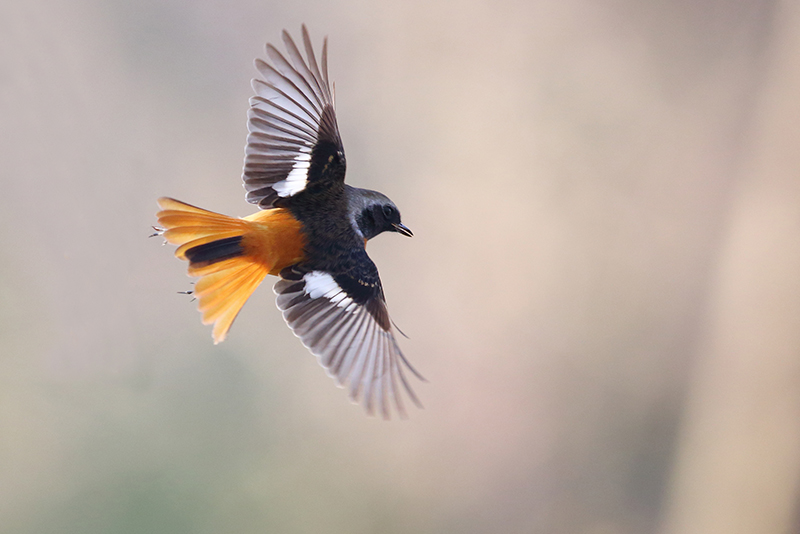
(321, 284)
(297, 178)
(347, 339)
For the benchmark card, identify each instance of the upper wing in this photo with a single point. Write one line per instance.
(344, 322)
(293, 136)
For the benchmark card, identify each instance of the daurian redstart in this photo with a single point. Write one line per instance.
(311, 233)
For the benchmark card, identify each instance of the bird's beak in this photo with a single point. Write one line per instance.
(402, 229)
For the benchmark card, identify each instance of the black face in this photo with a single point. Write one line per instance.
(379, 218)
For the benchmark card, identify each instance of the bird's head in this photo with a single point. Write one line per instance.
(373, 213)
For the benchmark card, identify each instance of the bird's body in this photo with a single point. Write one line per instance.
(312, 233)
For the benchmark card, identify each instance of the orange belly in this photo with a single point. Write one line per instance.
(276, 239)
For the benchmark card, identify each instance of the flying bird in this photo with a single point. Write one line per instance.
(311, 232)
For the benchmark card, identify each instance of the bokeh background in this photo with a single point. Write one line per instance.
(603, 289)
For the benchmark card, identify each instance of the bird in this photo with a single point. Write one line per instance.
(311, 232)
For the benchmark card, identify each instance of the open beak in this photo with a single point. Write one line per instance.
(402, 229)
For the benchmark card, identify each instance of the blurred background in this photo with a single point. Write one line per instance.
(603, 289)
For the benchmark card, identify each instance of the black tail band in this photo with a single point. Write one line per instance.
(216, 251)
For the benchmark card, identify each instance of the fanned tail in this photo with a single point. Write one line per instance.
(213, 245)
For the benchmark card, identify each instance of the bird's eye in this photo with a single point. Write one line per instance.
(388, 211)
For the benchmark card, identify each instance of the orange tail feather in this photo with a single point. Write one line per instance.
(230, 256)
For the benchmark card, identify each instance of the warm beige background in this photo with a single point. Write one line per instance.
(603, 290)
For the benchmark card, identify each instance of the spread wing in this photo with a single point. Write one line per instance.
(342, 319)
(294, 139)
